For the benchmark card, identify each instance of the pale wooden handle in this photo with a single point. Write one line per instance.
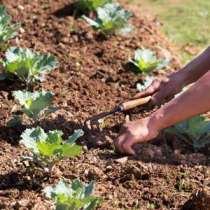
(135, 103)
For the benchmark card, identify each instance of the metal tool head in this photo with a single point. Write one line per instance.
(93, 123)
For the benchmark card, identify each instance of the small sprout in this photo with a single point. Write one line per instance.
(28, 66)
(77, 196)
(146, 61)
(195, 131)
(34, 103)
(146, 83)
(7, 29)
(111, 19)
(91, 5)
(47, 148)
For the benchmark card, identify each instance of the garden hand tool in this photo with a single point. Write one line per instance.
(90, 123)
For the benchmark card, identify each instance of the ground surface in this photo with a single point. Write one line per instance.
(93, 77)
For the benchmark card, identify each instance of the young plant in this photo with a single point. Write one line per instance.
(28, 66)
(7, 29)
(146, 83)
(195, 131)
(111, 19)
(33, 104)
(146, 61)
(91, 5)
(74, 197)
(48, 148)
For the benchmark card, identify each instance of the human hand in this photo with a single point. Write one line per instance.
(134, 132)
(164, 88)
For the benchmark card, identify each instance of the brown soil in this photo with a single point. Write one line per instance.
(93, 77)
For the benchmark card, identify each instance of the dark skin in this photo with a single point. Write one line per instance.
(194, 101)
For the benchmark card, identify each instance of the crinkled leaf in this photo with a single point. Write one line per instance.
(30, 137)
(111, 18)
(7, 29)
(145, 60)
(27, 65)
(48, 145)
(195, 130)
(33, 102)
(76, 196)
(146, 83)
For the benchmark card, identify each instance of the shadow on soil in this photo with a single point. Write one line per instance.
(11, 85)
(19, 181)
(11, 135)
(69, 10)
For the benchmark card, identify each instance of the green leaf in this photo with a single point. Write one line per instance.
(76, 196)
(195, 131)
(146, 61)
(3, 76)
(27, 65)
(30, 137)
(76, 135)
(89, 188)
(33, 103)
(48, 146)
(15, 121)
(146, 83)
(69, 150)
(91, 5)
(111, 19)
(7, 29)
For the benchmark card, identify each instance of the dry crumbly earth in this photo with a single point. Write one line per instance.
(93, 77)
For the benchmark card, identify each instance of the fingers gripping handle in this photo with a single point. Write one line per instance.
(135, 103)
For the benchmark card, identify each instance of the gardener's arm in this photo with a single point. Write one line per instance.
(164, 88)
(196, 100)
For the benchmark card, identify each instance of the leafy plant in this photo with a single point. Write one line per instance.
(33, 104)
(91, 5)
(195, 131)
(111, 19)
(74, 197)
(146, 83)
(47, 148)
(29, 66)
(146, 61)
(7, 29)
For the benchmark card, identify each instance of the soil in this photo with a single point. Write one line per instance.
(93, 77)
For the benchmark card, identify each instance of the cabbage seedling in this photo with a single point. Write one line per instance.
(146, 83)
(111, 19)
(146, 61)
(33, 104)
(195, 131)
(91, 5)
(7, 29)
(28, 66)
(74, 197)
(47, 148)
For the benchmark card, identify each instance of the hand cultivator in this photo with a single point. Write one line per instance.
(94, 122)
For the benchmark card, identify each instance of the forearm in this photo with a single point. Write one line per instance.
(196, 68)
(196, 100)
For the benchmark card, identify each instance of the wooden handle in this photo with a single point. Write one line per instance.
(135, 103)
